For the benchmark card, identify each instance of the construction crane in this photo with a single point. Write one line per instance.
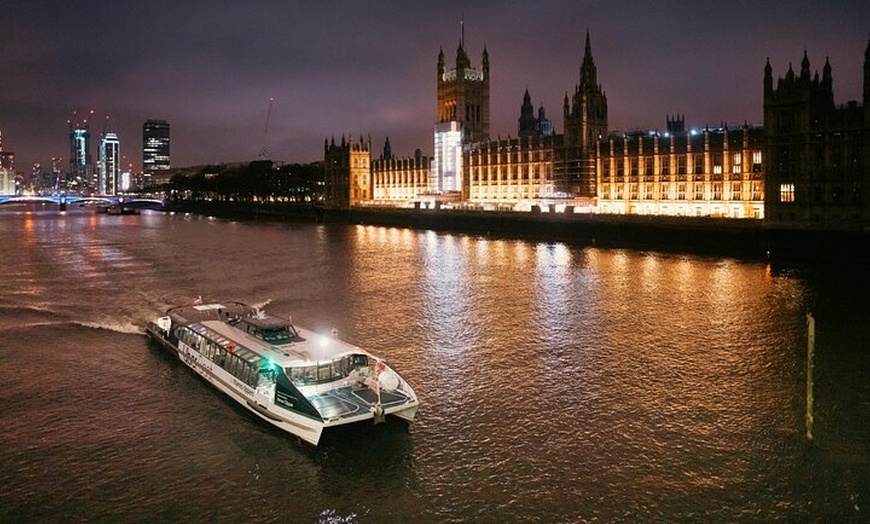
(263, 151)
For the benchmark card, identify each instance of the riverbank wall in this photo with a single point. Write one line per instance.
(743, 238)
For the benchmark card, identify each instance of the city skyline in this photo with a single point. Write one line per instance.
(369, 69)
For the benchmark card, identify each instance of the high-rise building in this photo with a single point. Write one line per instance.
(126, 181)
(109, 168)
(7, 158)
(155, 147)
(7, 171)
(80, 163)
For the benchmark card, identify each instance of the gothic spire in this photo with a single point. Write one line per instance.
(805, 67)
(588, 72)
(388, 150)
(867, 78)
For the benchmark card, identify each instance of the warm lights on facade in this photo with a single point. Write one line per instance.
(786, 193)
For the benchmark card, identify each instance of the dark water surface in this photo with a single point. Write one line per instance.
(558, 383)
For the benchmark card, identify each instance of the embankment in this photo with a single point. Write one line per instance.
(744, 238)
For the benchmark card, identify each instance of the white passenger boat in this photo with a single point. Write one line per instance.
(298, 380)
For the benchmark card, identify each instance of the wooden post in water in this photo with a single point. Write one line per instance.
(811, 342)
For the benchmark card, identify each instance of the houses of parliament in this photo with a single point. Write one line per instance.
(806, 167)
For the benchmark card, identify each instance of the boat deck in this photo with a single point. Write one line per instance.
(193, 313)
(351, 402)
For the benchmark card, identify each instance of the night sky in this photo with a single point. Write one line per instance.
(368, 68)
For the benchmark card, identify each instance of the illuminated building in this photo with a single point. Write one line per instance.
(56, 182)
(817, 159)
(347, 172)
(109, 157)
(447, 162)
(126, 181)
(715, 172)
(80, 163)
(155, 148)
(462, 118)
(542, 169)
(7, 171)
(709, 172)
(470, 170)
(513, 173)
(400, 180)
(585, 122)
(7, 181)
(7, 158)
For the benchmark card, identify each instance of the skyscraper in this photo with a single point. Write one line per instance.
(80, 163)
(109, 164)
(155, 147)
(7, 158)
(7, 171)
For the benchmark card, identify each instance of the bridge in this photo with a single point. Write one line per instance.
(116, 201)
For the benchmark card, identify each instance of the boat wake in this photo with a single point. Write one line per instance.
(17, 317)
(263, 304)
(29, 325)
(127, 328)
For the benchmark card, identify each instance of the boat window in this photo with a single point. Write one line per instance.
(233, 364)
(242, 370)
(266, 377)
(327, 372)
(185, 335)
(277, 335)
(303, 376)
(358, 361)
(322, 372)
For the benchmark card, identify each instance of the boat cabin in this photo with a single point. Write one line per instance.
(270, 329)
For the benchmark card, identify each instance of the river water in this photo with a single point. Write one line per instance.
(558, 383)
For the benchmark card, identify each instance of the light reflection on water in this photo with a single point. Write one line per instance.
(559, 383)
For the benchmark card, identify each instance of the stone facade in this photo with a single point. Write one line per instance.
(807, 167)
(818, 153)
(712, 172)
(347, 172)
